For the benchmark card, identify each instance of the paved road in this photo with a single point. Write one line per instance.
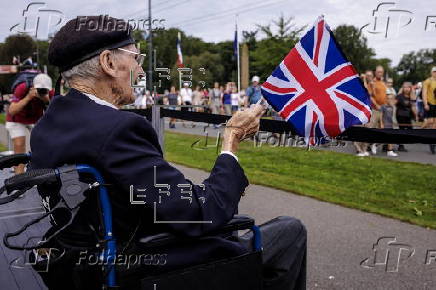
(416, 152)
(341, 238)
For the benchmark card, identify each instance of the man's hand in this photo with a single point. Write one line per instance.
(16, 107)
(32, 93)
(426, 107)
(243, 124)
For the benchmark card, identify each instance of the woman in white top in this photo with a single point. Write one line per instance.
(197, 98)
(235, 100)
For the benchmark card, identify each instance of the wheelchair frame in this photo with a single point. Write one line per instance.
(19, 184)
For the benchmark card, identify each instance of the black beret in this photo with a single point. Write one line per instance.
(86, 36)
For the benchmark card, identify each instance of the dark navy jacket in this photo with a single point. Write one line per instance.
(124, 148)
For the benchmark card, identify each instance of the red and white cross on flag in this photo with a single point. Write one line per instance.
(316, 89)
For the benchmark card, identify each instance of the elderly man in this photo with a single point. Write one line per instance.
(86, 126)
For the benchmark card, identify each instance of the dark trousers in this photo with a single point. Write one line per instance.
(284, 243)
(284, 260)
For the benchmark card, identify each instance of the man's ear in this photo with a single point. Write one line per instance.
(107, 63)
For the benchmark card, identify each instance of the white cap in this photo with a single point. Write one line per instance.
(255, 79)
(42, 81)
(433, 69)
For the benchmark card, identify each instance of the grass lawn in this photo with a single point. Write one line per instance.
(402, 190)
(3, 148)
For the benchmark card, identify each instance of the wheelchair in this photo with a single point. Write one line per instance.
(240, 272)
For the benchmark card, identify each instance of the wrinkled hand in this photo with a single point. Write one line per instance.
(242, 125)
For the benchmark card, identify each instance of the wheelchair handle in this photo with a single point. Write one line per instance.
(13, 160)
(29, 179)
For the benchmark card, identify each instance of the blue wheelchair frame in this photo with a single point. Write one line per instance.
(109, 252)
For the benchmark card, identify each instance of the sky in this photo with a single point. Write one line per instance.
(214, 20)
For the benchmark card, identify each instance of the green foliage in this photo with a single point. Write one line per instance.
(17, 45)
(271, 50)
(52, 71)
(211, 62)
(14, 45)
(23, 46)
(164, 43)
(416, 66)
(267, 44)
(355, 47)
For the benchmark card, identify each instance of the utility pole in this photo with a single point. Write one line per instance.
(150, 50)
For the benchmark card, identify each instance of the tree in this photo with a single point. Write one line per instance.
(52, 71)
(415, 66)
(271, 50)
(211, 62)
(164, 44)
(19, 45)
(354, 46)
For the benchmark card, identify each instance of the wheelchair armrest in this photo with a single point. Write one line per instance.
(13, 160)
(239, 222)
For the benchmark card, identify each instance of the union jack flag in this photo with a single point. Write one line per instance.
(316, 88)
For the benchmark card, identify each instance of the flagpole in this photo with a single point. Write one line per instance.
(180, 45)
(180, 81)
(237, 56)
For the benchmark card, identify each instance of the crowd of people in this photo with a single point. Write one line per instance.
(413, 106)
(224, 100)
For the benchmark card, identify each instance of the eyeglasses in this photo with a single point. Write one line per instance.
(139, 57)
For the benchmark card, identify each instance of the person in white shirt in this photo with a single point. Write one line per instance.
(235, 97)
(141, 101)
(186, 98)
(186, 95)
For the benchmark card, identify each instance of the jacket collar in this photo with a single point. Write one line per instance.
(91, 97)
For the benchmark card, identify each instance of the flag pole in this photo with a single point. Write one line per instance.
(237, 56)
(180, 45)
(180, 81)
